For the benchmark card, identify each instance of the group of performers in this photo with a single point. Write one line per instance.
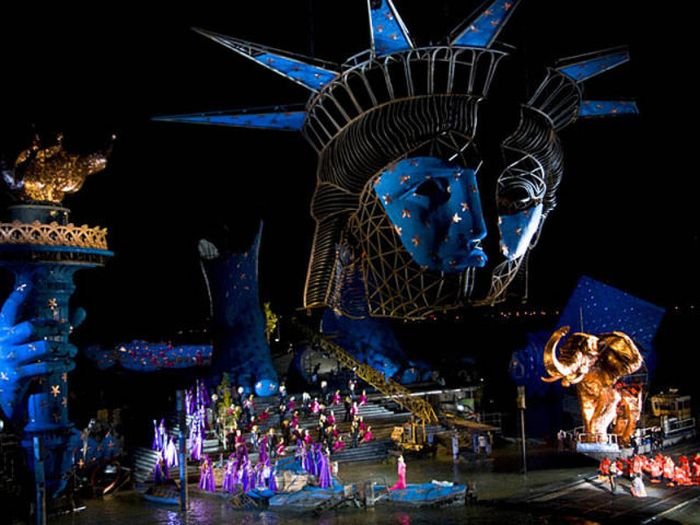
(237, 421)
(164, 445)
(683, 472)
(233, 416)
(241, 473)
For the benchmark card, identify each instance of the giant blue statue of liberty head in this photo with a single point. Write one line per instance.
(399, 203)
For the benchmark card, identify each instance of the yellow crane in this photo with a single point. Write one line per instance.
(422, 411)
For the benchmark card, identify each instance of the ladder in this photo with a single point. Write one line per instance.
(417, 406)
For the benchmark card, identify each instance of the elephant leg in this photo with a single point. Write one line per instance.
(606, 411)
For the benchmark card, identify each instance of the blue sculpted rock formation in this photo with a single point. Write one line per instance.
(240, 347)
(372, 341)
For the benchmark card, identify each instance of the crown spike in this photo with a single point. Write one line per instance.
(594, 64)
(388, 32)
(484, 29)
(607, 108)
(296, 68)
(284, 119)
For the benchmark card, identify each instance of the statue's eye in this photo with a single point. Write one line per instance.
(434, 189)
(518, 193)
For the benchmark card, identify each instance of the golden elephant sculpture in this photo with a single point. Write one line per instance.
(595, 364)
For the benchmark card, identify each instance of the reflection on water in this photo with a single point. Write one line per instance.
(130, 509)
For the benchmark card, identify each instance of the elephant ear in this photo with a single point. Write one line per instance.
(618, 354)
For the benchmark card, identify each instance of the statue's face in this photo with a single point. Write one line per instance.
(435, 209)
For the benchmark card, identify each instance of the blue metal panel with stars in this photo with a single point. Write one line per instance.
(585, 69)
(389, 34)
(287, 121)
(485, 28)
(294, 67)
(605, 108)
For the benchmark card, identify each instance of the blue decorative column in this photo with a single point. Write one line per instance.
(43, 252)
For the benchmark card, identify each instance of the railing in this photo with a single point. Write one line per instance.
(419, 407)
(672, 426)
(597, 437)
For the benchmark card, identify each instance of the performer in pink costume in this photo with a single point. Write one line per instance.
(401, 483)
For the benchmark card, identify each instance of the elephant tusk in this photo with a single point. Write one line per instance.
(550, 379)
(551, 363)
(577, 379)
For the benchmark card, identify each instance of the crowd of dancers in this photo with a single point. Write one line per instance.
(659, 469)
(232, 415)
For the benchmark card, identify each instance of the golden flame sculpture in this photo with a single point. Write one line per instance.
(48, 174)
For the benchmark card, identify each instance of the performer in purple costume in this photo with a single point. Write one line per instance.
(160, 474)
(262, 452)
(206, 475)
(325, 479)
(170, 452)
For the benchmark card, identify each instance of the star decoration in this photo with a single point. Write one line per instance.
(406, 213)
(53, 303)
(387, 199)
(464, 206)
(398, 229)
(415, 241)
(64, 401)
(64, 377)
(4, 376)
(456, 218)
(404, 179)
(55, 390)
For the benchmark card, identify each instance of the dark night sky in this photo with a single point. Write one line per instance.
(625, 207)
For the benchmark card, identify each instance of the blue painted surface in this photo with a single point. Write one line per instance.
(436, 211)
(240, 347)
(517, 231)
(285, 121)
(419, 494)
(585, 69)
(389, 34)
(605, 108)
(99, 450)
(369, 340)
(35, 323)
(485, 28)
(304, 73)
(603, 309)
